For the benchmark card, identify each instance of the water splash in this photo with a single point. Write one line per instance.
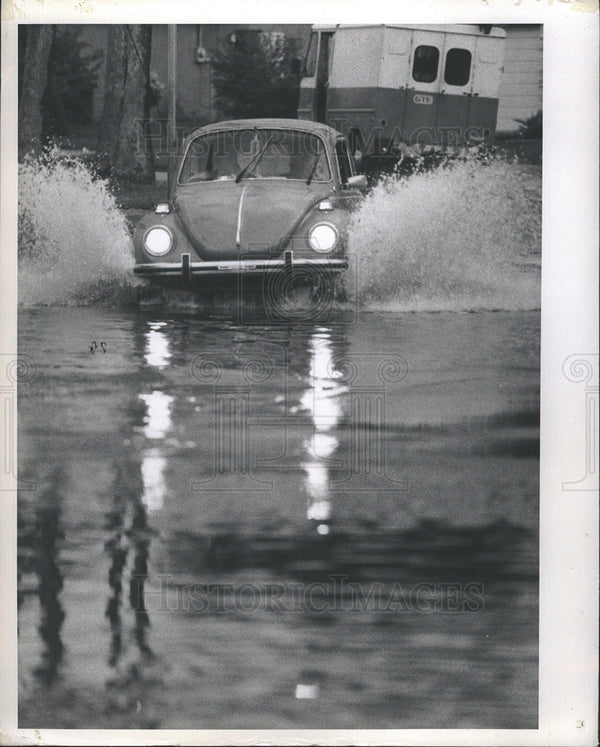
(74, 246)
(460, 238)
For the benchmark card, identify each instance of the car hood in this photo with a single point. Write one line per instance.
(224, 220)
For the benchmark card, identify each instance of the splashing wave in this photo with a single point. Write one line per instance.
(460, 238)
(74, 246)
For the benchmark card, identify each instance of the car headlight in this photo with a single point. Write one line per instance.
(323, 237)
(158, 240)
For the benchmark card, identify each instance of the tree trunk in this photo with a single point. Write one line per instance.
(126, 103)
(116, 72)
(54, 121)
(35, 76)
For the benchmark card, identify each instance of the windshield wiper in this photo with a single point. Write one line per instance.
(254, 162)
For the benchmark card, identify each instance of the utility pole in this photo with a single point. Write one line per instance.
(172, 143)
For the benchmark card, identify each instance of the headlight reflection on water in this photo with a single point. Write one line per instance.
(153, 478)
(322, 400)
(157, 352)
(157, 422)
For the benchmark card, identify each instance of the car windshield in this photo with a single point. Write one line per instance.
(255, 153)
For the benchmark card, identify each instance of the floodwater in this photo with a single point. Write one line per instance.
(248, 523)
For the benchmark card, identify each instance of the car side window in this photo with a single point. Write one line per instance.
(343, 159)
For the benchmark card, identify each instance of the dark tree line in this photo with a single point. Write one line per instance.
(72, 78)
(36, 43)
(127, 98)
(56, 84)
(254, 75)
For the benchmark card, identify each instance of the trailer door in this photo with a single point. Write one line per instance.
(312, 103)
(487, 71)
(422, 87)
(456, 89)
(322, 78)
(309, 74)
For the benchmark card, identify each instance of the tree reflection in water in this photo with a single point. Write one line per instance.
(128, 545)
(46, 535)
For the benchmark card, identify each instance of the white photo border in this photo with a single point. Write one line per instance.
(568, 669)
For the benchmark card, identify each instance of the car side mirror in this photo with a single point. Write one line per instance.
(359, 181)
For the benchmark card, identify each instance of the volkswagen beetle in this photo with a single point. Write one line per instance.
(253, 198)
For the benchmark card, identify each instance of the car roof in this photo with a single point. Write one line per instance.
(274, 123)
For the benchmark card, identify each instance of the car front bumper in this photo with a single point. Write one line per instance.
(185, 272)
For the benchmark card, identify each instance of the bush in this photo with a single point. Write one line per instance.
(531, 128)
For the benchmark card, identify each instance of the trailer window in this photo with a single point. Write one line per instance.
(310, 61)
(425, 65)
(458, 67)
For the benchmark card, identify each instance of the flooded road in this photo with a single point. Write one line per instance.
(251, 525)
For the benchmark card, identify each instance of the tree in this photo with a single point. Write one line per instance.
(72, 77)
(116, 72)
(38, 42)
(127, 97)
(256, 75)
